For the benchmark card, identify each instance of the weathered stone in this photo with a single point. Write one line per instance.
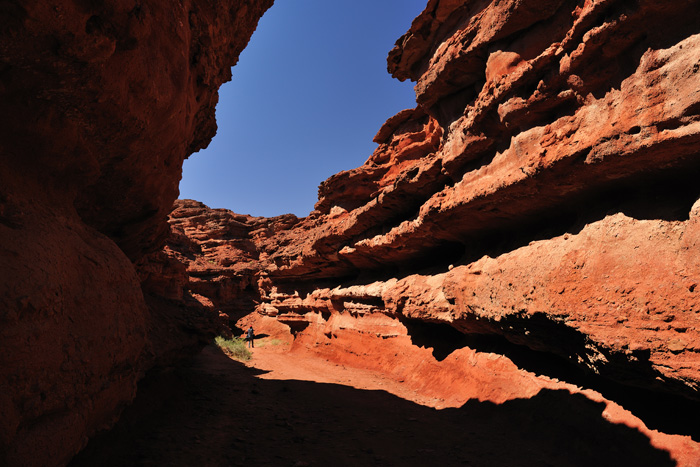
(536, 203)
(101, 102)
(526, 222)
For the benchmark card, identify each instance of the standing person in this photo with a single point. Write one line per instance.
(249, 336)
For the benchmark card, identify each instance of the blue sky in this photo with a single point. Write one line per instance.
(307, 96)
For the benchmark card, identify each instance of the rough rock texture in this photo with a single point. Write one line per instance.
(540, 203)
(532, 224)
(101, 102)
(453, 336)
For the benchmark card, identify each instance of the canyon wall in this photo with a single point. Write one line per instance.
(538, 207)
(532, 224)
(101, 102)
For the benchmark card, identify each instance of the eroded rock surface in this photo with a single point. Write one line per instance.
(539, 204)
(531, 225)
(101, 102)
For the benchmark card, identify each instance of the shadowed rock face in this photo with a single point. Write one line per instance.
(101, 102)
(532, 224)
(541, 198)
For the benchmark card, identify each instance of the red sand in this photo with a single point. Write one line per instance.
(285, 409)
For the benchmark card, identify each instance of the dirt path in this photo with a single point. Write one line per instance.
(289, 410)
(282, 365)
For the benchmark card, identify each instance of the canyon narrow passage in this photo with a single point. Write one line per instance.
(298, 410)
(511, 278)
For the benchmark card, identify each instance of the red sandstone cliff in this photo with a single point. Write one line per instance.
(531, 224)
(101, 102)
(540, 203)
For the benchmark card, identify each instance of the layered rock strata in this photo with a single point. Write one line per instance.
(494, 329)
(101, 102)
(581, 213)
(532, 224)
(540, 203)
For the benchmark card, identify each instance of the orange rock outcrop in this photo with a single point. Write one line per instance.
(532, 223)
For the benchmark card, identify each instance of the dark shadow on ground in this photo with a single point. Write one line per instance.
(215, 412)
(635, 383)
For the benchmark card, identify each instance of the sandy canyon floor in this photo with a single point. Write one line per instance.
(287, 409)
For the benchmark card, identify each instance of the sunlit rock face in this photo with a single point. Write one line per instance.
(101, 102)
(533, 222)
